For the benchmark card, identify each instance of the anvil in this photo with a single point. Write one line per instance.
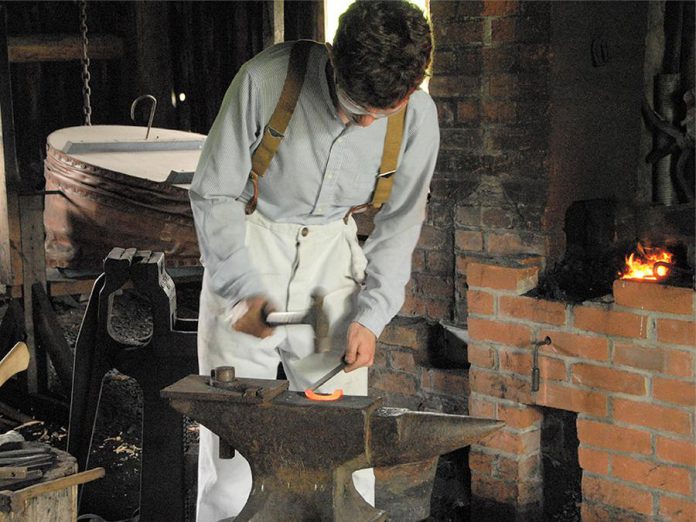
(302, 453)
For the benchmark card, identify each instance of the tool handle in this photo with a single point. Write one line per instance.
(284, 318)
(16, 360)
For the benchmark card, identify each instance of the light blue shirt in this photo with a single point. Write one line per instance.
(321, 169)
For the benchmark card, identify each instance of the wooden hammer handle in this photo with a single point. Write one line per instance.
(16, 360)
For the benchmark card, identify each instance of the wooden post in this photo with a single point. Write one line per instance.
(22, 259)
(10, 261)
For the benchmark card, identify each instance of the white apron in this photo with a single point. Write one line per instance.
(293, 261)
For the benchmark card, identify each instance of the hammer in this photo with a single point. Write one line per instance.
(315, 317)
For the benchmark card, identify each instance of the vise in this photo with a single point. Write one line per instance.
(166, 356)
(302, 453)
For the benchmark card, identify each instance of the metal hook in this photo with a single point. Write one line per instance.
(152, 110)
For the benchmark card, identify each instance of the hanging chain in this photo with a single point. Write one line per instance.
(86, 90)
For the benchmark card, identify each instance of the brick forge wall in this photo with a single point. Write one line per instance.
(488, 196)
(627, 368)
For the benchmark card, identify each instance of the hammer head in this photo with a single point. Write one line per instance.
(315, 316)
(322, 339)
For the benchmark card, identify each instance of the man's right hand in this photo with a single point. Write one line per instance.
(253, 322)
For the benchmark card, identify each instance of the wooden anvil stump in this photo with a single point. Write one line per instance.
(302, 453)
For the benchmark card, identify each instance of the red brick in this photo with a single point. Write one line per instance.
(468, 111)
(677, 509)
(418, 260)
(536, 310)
(655, 297)
(500, 7)
(454, 86)
(614, 494)
(394, 382)
(498, 332)
(652, 416)
(514, 442)
(552, 368)
(594, 461)
(676, 332)
(413, 306)
(479, 406)
(438, 309)
(576, 345)
(609, 322)
(519, 280)
(404, 336)
(498, 385)
(484, 486)
(450, 382)
(496, 217)
(507, 243)
(613, 437)
(519, 416)
(470, 240)
(481, 462)
(521, 362)
(677, 392)
(679, 363)
(480, 302)
(499, 111)
(402, 361)
(481, 355)
(515, 468)
(439, 262)
(432, 238)
(467, 31)
(433, 286)
(571, 399)
(677, 451)
(468, 216)
(652, 474)
(636, 356)
(609, 379)
(594, 512)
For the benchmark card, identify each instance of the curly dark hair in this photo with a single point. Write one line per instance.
(381, 51)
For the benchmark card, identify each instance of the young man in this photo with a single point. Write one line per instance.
(300, 238)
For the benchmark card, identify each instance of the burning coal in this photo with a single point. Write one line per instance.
(647, 264)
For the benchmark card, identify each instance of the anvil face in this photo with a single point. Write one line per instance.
(302, 453)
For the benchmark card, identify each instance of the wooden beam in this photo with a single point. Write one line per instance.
(10, 183)
(62, 48)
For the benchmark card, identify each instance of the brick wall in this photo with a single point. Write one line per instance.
(627, 368)
(489, 190)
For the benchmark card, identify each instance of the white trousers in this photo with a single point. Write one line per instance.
(293, 261)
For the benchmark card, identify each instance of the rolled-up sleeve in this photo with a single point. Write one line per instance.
(398, 224)
(220, 178)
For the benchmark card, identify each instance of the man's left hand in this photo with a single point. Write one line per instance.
(361, 347)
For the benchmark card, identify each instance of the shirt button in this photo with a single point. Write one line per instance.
(329, 175)
(305, 231)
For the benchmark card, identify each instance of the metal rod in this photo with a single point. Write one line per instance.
(152, 110)
(535, 362)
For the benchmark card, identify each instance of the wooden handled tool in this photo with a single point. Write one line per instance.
(16, 360)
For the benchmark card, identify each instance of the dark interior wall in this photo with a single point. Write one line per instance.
(194, 48)
(596, 118)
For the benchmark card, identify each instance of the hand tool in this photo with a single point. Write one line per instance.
(311, 394)
(315, 317)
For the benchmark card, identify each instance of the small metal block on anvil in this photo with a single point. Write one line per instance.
(302, 453)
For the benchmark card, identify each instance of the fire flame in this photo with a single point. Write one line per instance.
(641, 264)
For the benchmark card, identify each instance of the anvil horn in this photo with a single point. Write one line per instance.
(400, 435)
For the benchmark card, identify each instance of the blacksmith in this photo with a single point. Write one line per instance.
(272, 199)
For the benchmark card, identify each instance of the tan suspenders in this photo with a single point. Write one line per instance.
(274, 133)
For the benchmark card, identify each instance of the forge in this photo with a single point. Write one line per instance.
(302, 453)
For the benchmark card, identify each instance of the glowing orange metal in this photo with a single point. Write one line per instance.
(314, 396)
